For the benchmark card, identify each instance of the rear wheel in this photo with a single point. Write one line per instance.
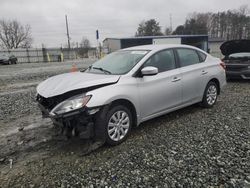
(210, 95)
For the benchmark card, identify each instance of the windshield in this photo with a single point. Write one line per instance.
(118, 62)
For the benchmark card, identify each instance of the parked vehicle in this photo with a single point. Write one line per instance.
(129, 87)
(237, 58)
(8, 59)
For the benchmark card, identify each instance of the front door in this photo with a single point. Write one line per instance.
(160, 92)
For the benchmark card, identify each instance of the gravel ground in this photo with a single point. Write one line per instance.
(192, 147)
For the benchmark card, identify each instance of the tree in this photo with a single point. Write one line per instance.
(231, 24)
(14, 35)
(84, 47)
(180, 30)
(168, 31)
(149, 28)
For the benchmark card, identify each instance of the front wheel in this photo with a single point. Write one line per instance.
(210, 95)
(116, 125)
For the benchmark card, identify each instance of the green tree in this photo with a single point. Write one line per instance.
(149, 28)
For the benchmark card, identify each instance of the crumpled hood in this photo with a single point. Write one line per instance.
(67, 82)
(235, 46)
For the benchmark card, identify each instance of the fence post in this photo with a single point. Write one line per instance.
(28, 55)
(37, 55)
(44, 55)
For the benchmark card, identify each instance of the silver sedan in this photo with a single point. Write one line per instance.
(129, 87)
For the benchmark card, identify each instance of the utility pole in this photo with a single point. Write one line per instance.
(67, 27)
(171, 25)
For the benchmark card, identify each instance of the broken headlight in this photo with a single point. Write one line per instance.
(71, 104)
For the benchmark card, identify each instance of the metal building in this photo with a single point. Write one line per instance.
(113, 44)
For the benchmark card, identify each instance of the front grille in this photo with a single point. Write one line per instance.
(48, 103)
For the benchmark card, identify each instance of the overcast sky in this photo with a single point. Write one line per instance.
(113, 18)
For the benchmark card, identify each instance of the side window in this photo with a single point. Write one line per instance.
(163, 60)
(187, 57)
(202, 56)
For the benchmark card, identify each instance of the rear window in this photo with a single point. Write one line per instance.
(202, 56)
(188, 57)
(240, 55)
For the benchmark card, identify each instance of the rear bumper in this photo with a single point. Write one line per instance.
(238, 74)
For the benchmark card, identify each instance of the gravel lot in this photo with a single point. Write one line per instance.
(192, 147)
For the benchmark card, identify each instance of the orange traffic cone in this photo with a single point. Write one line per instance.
(74, 68)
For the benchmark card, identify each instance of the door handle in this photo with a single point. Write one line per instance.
(203, 72)
(176, 79)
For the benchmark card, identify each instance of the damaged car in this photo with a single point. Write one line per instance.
(237, 58)
(128, 87)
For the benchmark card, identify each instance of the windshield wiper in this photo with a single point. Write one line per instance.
(101, 69)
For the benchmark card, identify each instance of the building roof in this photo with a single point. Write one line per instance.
(156, 47)
(156, 37)
(216, 40)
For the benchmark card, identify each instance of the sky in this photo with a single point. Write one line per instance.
(113, 18)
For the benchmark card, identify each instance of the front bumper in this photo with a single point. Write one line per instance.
(75, 123)
(244, 74)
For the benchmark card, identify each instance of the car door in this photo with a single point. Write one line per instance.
(162, 91)
(193, 73)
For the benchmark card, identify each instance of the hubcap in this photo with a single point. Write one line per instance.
(211, 94)
(118, 125)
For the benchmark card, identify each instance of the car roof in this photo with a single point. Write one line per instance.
(157, 47)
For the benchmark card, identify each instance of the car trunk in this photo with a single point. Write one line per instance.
(236, 63)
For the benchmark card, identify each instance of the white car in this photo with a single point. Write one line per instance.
(128, 87)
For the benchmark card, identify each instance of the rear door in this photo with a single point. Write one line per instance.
(194, 74)
(162, 91)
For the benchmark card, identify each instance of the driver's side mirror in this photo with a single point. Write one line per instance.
(149, 71)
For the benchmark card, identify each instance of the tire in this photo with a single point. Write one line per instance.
(210, 95)
(114, 125)
(9, 62)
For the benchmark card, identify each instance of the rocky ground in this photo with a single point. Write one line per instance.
(192, 147)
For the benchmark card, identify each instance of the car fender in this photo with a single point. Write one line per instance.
(108, 94)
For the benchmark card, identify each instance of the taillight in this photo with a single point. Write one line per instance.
(223, 65)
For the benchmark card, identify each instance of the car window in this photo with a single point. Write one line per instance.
(163, 60)
(117, 63)
(187, 57)
(202, 56)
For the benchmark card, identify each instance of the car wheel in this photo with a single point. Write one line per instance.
(117, 125)
(210, 95)
(9, 62)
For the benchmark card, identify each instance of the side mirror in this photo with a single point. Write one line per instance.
(149, 71)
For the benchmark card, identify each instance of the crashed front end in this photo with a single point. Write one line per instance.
(69, 114)
(64, 98)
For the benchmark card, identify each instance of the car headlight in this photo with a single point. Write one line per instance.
(71, 104)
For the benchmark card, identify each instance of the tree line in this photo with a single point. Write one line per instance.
(231, 24)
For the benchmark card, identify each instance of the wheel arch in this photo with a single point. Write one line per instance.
(129, 105)
(215, 80)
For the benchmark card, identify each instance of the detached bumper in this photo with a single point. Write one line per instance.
(76, 123)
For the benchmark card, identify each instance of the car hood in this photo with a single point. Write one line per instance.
(67, 82)
(235, 46)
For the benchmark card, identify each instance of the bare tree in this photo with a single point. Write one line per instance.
(84, 47)
(168, 31)
(14, 35)
(85, 43)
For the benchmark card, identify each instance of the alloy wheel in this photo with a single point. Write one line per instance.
(211, 94)
(118, 125)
